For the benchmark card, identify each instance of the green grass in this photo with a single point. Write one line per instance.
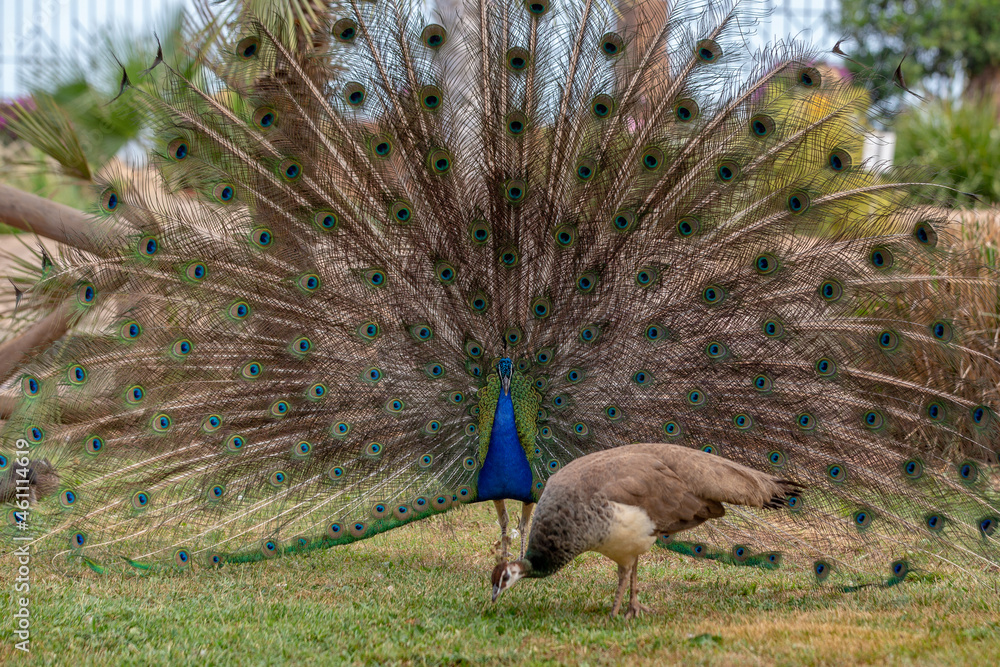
(420, 595)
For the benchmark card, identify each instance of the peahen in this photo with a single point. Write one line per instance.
(388, 267)
(617, 501)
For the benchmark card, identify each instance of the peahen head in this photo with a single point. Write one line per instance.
(504, 368)
(506, 575)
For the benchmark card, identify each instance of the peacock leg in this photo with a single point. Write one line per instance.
(622, 583)
(634, 608)
(502, 548)
(522, 525)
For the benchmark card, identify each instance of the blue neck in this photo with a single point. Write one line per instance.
(505, 474)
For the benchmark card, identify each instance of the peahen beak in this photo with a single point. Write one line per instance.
(496, 592)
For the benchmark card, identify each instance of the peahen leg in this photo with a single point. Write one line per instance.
(522, 525)
(634, 608)
(502, 548)
(622, 582)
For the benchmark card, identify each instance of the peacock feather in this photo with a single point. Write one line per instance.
(398, 266)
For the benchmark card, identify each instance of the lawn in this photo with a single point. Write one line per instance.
(420, 595)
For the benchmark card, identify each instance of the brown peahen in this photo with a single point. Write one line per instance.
(388, 267)
(616, 502)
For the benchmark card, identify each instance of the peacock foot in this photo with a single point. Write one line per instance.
(501, 548)
(634, 609)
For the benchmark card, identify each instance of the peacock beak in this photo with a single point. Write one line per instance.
(505, 383)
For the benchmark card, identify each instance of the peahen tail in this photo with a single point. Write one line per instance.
(287, 338)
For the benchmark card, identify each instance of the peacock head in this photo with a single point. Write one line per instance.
(504, 368)
(506, 575)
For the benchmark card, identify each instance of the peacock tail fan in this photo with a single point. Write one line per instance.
(284, 340)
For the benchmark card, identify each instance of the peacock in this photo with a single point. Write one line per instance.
(616, 501)
(380, 267)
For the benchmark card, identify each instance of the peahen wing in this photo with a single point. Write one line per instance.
(280, 343)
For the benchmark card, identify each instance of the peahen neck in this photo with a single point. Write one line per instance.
(505, 474)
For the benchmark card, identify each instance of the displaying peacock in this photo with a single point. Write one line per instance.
(388, 267)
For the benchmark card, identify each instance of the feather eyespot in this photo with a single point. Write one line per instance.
(30, 386)
(135, 394)
(374, 449)
(371, 375)
(434, 370)
(762, 126)
(708, 51)
(381, 147)
(178, 150)
(686, 110)
(773, 328)
(585, 170)
(110, 201)
(514, 191)
(942, 331)
(224, 193)
(925, 235)
(541, 307)
(822, 570)
(265, 117)
(935, 411)
(982, 416)
(766, 264)
(86, 294)
(216, 492)
(825, 367)
(439, 161)
(326, 220)
(613, 412)
(140, 499)
(195, 272)
(688, 226)
(401, 212)
(279, 409)
(545, 355)
(810, 78)
(623, 221)
(888, 340)
(913, 469)
(646, 276)
(652, 158)
(575, 375)
(509, 257)
(290, 170)
(881, 258)
(93, 445)
(537, 7)
(434, 36)
(762, 383)
(239, 310)
(247, 47)
(602, 106)
(839, 160)
(354, 94)
(713, 295)
(479, 231)
(316, 391)
(715, 351)
(590, 333)
(431, 98)
(837, 472)
(727, 171)
(211, 423)
(130, 330)
(251, 370)
(586, 283)
(516, 123)
(262, 237)
(696, 397)
(743, 422)
(235, 443)
(345, 30)
(581, 429)
(77, 375)
(612, 45)
(181, 348)
(161, 422)
(517, 59)
(831, 291)
(300, 347)
(340, 429)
